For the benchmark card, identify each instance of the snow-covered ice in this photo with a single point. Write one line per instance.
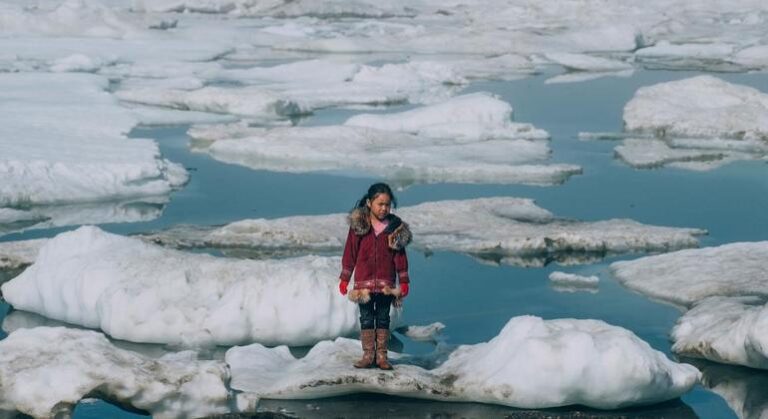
(567, 282)
(697, 123)
(597, 365)
(64, 141)
(144, 293)
(482, 146)
(19, 253)
(731, 330)
(687, 276)
(45, 371)
(511, 228)
(428, 333)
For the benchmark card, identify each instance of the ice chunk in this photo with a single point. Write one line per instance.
(583, 62)
(647, 153)
(565, 282)
(704, 55)
(20, 253)
(597, 365)
(143, 293)
(428, 333)
(64, 141)
(485, 226)
(725, 329)
(42, 379)
(687, 276)
(472, 117)
(699, 107)
(69, 18)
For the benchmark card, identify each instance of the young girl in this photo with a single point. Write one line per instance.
(375, 252)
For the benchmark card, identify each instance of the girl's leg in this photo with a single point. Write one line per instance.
(367, 335)
(383, 303)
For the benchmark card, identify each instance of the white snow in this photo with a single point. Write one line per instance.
(583, 62)
(64, 141)
(501, 226)
(732, 330)
(143, 293)
(687, 276)
(45, 371)
(596, 365)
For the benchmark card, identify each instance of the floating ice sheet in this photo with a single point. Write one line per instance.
(687, 276)
(482, 146)
(486, 226)
(565, 282)
(143, 293)
(64, 141)
(731, 330)
(596, 364)
(44, 371)
(698, 123)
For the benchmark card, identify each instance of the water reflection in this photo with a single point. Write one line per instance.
(744, 389)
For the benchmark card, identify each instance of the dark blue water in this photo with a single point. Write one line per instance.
(475, 299)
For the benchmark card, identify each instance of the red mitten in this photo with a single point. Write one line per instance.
(403, 289)
(343, 287)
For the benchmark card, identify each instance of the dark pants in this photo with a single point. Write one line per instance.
(375, 313)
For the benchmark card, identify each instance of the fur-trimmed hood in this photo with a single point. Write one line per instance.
(399, 234)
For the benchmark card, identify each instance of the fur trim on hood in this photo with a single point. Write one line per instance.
(399, 234)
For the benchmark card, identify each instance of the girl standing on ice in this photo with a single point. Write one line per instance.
(375, 252)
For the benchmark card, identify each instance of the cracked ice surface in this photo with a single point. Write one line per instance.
(687, 276)
(426, 146)
(597, 365)
(698, 123)
(41, 379)
(732, 330)
(64, 141)
(144, 293)
(513, 228)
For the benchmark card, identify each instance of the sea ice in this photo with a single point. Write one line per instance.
(731, 330)
(19, 253)
(499, 226)
(44, 371)
(144, 293)
(687, 276)
(597, 365)
(697, 123)
(64, 141)
(565, 282)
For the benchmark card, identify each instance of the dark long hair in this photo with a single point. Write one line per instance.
(375, 190)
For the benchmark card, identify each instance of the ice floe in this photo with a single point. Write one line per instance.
(144, 293)
(513, 229)
(597, 365)
(565, 282)
(731, 330)
(425, 145)
(697, 123)
(19, 253)
(687, 276)
(64, 141)
(42, 379)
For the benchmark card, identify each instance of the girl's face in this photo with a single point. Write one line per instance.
(380, 206)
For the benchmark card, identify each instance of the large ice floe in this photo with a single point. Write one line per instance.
(45, 371)
(144, 293)
(64, 141)
(732, 330)
(596, 365)
(467, 139)
(695, 123)
(687, 276)
(513, 230)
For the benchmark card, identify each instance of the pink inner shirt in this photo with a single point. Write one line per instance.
(378, 226)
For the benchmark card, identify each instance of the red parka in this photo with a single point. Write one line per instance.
(375, 260)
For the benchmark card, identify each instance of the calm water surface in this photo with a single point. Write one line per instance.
(473, 298)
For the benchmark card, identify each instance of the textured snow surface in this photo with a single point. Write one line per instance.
(722, 329)
(514, 229)
(64, 141)
(144, 293)
(687, 276)
(44, 371)
(597, 365)
(697, 123)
